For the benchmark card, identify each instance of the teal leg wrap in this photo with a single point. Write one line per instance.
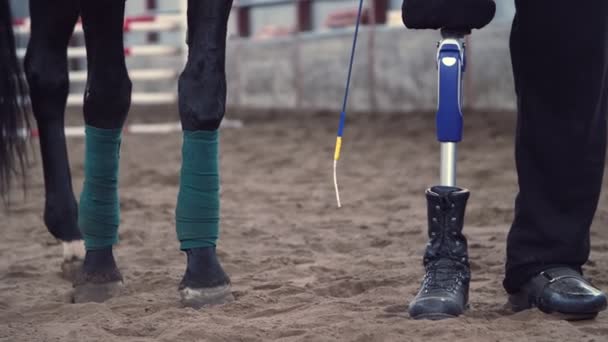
(198, 203)
(99, 208)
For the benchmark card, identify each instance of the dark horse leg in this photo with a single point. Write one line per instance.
(106, 104)
(46, 67)
(202, 99)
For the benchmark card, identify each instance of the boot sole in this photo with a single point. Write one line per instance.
(436, 311)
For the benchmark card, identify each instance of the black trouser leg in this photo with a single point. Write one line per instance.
(560, 60)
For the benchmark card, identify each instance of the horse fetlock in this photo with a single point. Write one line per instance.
(60, 218)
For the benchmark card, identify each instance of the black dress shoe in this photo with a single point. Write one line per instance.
(562, 291)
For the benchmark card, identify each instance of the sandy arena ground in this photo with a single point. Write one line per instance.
(302, 269)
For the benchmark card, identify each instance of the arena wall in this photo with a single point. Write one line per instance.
(394, 71)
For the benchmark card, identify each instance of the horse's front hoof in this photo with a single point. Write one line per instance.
(99, 278)
(98, 286)
(200, 297)
(204, 283)
(97, 292)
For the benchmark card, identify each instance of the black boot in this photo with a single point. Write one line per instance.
(444, 292)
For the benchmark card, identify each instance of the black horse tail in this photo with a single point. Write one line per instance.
(13, 110)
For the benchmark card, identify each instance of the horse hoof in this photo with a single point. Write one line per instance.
(201, 297)
(204, 283)
(96, 292)
(99, 279)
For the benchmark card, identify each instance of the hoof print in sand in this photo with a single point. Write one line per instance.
(201, 297)
(96, 292)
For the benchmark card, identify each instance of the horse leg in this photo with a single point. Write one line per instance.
(46, 69)
(106, 104)
(202, 99)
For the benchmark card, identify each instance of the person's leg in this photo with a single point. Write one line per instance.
(106, 103)
(202, 99)
(560, 61)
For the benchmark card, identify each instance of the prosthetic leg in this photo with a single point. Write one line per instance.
(445, 287)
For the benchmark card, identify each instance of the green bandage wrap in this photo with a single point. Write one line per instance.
(99, 208)
(198, 203)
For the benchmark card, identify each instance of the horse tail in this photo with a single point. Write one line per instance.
(13, 111)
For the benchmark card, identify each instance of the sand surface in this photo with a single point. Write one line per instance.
(302, 269)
